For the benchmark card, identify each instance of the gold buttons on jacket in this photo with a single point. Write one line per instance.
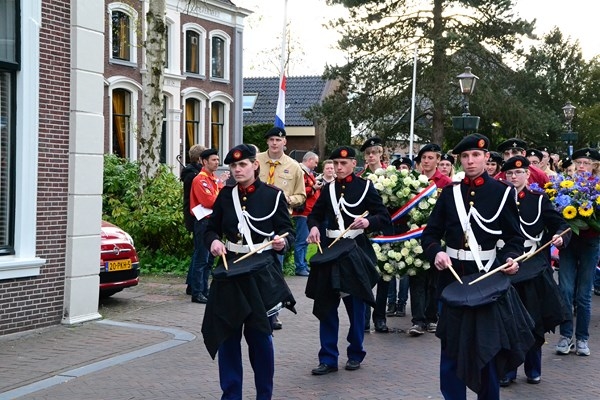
(471, 203)
(244, 198)
(473, 193)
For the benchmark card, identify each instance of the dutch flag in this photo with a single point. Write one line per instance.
(280, 112)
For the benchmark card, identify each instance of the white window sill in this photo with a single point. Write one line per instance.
(15, 267)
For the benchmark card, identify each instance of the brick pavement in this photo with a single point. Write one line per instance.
(396, 366)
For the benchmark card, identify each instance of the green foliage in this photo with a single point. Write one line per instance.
(154, 218)
(159, 262)
(254, 134)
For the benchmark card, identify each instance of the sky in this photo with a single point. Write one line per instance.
(314, 46)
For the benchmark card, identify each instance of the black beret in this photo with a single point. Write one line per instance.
(374, 141)
(496, 157)
(512, 143)
(429, 147)
(474, 141)
(417, 158)
(448, 157)
(207, 153)
(566, 162)
(544, 148)
(275, 131)
(515, 162)
(535, 153)
(343, 152)
(587, 152)
(402, 160)
(240, 152)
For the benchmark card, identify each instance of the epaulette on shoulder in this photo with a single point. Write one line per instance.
(537, 191)
(505, 182)
(273, 187)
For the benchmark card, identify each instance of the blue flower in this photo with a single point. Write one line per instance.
(562, 200)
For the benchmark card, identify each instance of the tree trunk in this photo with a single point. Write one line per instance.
(152, 84)
(439, 74)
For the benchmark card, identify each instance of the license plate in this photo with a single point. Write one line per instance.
(119, 265)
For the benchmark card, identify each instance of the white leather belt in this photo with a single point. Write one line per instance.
(243, 248)
(351, 234)
(467, 255)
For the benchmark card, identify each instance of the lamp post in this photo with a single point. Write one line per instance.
(569, 137)
(466, 122)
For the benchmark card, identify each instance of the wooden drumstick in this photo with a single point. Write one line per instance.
(265, 245)
(520, 258)
(346, 230)
(319, 246)
(451, 268)
(225, 262)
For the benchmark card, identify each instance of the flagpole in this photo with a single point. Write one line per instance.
(280, 111)
(412, 108)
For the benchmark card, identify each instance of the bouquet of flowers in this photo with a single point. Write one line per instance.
(412, 197)
(576, 198)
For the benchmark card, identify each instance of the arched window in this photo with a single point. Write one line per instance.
(195, 38)
(122, 21)
(192, 124)
(219, 52)
(217, 122)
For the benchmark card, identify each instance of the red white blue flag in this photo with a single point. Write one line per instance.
(280, 112)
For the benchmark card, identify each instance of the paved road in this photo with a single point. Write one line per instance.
(149, 347)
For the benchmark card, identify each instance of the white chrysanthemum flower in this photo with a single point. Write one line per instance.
(387, 278)
(423, 205)
(393, 199)
(407, 244)
(401, 265)
(376, 247)
(380, 171)
(378, 186)
(398, 256)
(416, 184)
(405, 192)
(424, 179)
(418, 250)
(372, 178)
(388, 268)
(418, 262)
(385, 199)
(405, 252)
(390, 168)
(407, 180)
(409, 260)
(403, 173)
(394, 178)
(414, 242)
(387, 182)
(426, 266)
(411, 272)
(431, 200)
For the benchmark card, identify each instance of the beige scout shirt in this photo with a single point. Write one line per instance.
(288, 177)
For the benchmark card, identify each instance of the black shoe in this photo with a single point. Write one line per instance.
(352, 365)
(323, 369)
(188, 290)
(302, 273)
(276, 324)
(505, 382)
(597, 292)
(367, 328)
(534, 381)
(401, 310)
(199, 299)
(381, 327)
(391, 310)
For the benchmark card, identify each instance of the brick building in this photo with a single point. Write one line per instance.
(59, 72)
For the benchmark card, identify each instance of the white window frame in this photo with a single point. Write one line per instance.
(227, 50)
(122, 82)
(202, 97)
(133, 15)
(24, 262)
(227, 101)
(201, 49)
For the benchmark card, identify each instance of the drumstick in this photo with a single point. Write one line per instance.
(265, 245)
(451, 268)
(520, 258)
(225, 262)
(319, 246)
(346, 230)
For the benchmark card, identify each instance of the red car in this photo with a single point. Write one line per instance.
(119, 263)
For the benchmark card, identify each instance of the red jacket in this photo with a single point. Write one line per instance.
(311, 194)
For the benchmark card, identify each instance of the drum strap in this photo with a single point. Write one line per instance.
(342, 205)
(465, 222)
(244, 224)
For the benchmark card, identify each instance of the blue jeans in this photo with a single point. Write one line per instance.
(402, 297)
(575, 279)
(301, 245)
(202, 261)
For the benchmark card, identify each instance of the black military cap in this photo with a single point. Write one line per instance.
(586, 152)
(374, 141)
(535, 153)
(474, 141)
(513, 143)
(496, 157)
(402, 160)
(566, 162)
(275, 131)
(448, 157)
(240, 152)
(516, 162)
(207, 153)
(429, 147)
(544, 148)
(343, 152)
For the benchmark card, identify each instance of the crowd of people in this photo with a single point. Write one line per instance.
(486, 218)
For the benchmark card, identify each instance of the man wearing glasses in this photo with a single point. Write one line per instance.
(516, 147)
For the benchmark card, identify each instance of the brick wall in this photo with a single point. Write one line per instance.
(29, 303)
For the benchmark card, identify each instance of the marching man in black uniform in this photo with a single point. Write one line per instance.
(471, 216)
(342, 204)
(248, 215)
(539, 222)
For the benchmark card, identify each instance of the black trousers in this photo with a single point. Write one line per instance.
(423, 304)
(380, 302)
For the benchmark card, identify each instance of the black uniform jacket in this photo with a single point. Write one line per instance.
(358, 275)
(245, 299)
(485, 194)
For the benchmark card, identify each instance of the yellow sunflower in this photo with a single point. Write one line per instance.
(598, 200)
(567, 184)
(569, 212)
(598, 187)
(585, 210)
(549, 185)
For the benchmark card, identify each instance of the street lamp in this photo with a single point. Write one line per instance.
(569, 137)
(467, 122)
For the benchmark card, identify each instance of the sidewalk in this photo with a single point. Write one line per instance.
(151, 348)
